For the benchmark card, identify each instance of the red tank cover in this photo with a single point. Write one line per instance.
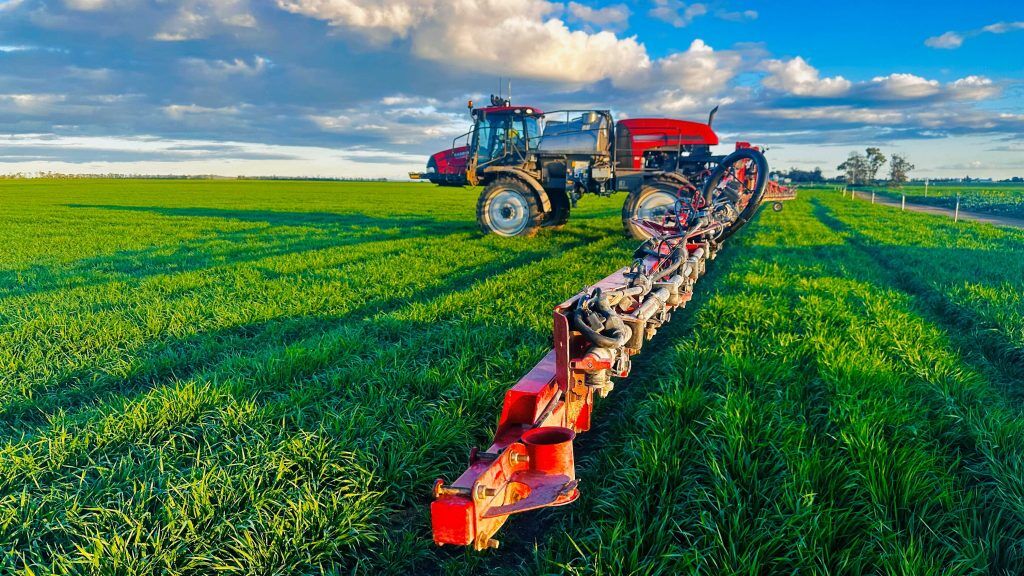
(635, 136)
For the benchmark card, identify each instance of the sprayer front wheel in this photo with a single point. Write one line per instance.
(507, 207)
(740, 179)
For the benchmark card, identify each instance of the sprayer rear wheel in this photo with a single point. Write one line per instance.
(560, 208)
(654, 201)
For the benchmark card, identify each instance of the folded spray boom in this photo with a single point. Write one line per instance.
(530, 463)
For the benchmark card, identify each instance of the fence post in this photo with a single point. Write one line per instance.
(872, 196)
(903, 202)
(956, 212)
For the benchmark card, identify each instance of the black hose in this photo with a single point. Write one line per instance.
(618, 332)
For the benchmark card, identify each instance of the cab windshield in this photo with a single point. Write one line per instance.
(501, 135)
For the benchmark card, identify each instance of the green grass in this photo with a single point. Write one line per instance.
(266, 377)
(995, 198)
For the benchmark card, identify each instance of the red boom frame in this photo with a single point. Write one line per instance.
(530, 463)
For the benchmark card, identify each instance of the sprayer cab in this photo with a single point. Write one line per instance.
(501, 135)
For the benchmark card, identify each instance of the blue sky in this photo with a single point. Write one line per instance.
(370, 87)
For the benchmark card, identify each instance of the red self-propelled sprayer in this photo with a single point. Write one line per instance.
(529, 464)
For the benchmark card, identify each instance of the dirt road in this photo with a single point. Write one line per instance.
(964, 215)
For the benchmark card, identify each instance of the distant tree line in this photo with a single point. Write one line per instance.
(861, 169)
(797, 176)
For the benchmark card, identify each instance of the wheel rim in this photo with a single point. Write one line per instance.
(655, 206)
(743, 186)
(508, 212)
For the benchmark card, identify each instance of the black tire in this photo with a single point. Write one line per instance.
(646, 200)
(508, 207)
(560, 208)
(776, 206)
(754, 190)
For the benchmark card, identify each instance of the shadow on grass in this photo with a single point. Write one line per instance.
(287, 234)
(961, 325)
(327, 220)
(182, 358)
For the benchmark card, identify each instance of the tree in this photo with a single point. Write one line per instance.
(855, 167)
(875, 161)
(899, 169)
(798, 176)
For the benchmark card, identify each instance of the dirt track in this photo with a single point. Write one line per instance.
(964, 215)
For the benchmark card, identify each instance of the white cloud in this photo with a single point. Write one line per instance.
(237, 67)
(192, 156)
(406, 100)
(677, 13)
(513, 37)
(796, 76)
(88, 5)
(1003, 27)
(379, 21)
(952, 39)
(837, 114)
(799, 78)
(196, 19)
(904, 86)
(403, 122)
(33, 101)
(737, 16)
(700, 69)
(9, 4)
(947, 41)
(180, 111)
(973, 88)
(613, 17)
(677, 103)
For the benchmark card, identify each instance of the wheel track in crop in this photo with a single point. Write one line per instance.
(981, 339)
(982, 440)
(384, 337)
(269, 393)
(87, 389)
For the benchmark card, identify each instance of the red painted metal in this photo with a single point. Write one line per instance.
(530, 463)
(674, 132)
(452, 161)
(663, 133)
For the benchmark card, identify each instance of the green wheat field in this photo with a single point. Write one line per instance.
(204, 377)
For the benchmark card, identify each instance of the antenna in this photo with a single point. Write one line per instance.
(509, 91)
